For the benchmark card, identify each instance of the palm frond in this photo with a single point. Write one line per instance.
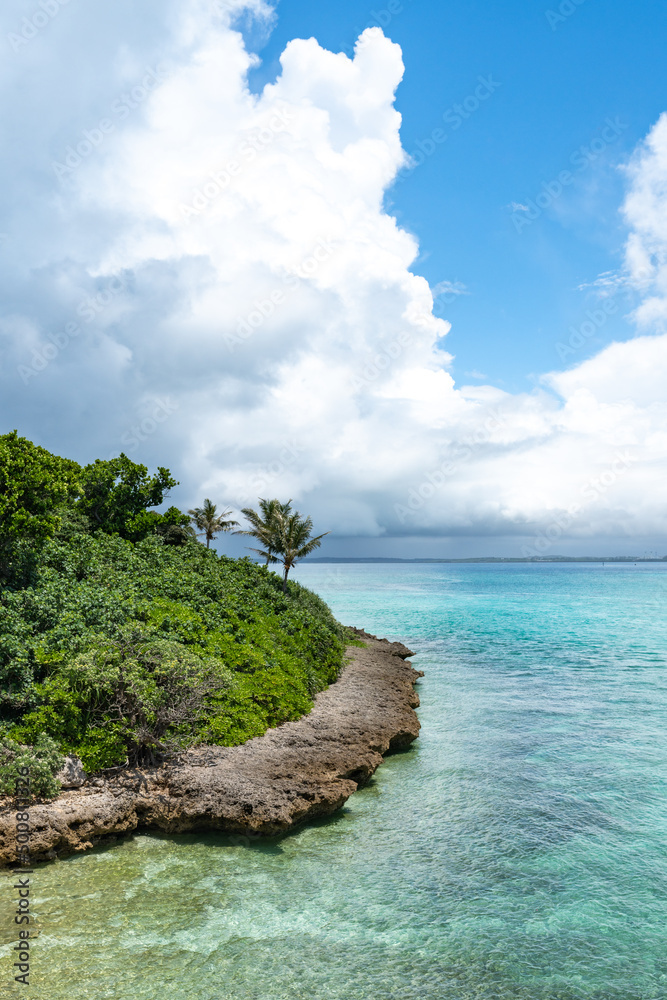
(209, 522)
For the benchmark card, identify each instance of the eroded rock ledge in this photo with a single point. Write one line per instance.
(292, 774)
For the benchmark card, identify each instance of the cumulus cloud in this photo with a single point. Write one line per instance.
(208, 278)
(645, 211)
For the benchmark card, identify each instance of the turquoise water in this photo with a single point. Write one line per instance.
(516, 852)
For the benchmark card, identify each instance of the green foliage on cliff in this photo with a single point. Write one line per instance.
(35, 488)
(123, 646)
(29, 767)
(42, 494)
(116, 494)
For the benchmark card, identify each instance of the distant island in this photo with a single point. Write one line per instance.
(499, 559)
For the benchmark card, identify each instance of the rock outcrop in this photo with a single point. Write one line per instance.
(292, 774)
(72, 774)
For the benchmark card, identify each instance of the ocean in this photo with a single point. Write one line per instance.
(518, 851)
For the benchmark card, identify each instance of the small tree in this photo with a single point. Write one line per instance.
(151, 694)
(295, 541)
(267, 526)
(117, 493)
(175, 528)
(209, 523)
(36, 489)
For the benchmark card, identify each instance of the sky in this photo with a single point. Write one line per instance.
(405, 264)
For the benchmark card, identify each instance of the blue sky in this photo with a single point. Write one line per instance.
(560, 79)
(406, 264)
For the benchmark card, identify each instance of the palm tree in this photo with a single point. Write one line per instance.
(209, 522)
(296, 542)
(266, 526)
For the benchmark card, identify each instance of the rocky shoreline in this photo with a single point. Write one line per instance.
(298, 772)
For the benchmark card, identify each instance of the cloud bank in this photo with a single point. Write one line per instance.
(208, 278)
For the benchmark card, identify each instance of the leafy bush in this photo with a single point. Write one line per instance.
(124, 651)
(122, 637)
(150, 692)
(43, 760)
(116, 493)
(102, 747)
(34, 486)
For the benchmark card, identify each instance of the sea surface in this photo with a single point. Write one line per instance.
(517, 852)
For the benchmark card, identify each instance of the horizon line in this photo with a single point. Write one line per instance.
(491, 559)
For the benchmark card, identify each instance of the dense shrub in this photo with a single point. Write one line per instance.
(35, 487)
(124, 651)
(43, 761)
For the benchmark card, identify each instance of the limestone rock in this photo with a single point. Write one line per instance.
(72, 774)
(300, 771)
(395, 648)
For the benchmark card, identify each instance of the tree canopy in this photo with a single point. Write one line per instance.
(266, 526)
(116, 494)
(209, 522)
(295, 541)
(284, 533)
(42, 494)
(35, 487)
(122, 638)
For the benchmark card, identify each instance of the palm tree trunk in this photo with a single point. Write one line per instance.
(285, 579)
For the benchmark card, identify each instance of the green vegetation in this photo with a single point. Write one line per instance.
(42, 761)
(122, 638)
(295, 541)
(35, 487)
(265, 526)
(116, 494)
(284, 533)
(209, 522)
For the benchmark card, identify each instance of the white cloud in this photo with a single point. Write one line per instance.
(267, 297)
(449, 290)
(645, 211)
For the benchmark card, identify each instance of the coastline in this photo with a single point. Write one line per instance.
(297, 772)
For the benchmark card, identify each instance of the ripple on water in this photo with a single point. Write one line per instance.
(517, 852)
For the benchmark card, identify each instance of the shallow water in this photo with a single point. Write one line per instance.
(517, 852)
